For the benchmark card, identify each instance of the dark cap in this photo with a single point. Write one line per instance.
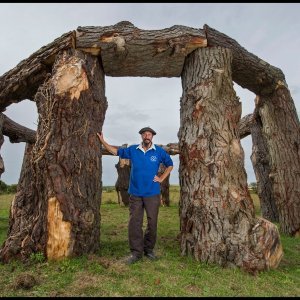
(147, 129)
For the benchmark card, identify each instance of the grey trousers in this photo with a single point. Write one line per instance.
(137, 242)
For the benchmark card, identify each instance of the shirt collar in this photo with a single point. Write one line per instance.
(140, 146)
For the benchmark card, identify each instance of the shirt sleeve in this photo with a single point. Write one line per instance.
(124, 153)
(166, 159)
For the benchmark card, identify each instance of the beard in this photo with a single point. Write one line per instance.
(146, 142)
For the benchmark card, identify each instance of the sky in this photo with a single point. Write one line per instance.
(269, 31)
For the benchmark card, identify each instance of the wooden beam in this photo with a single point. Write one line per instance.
(18, 133)
(248, 70)
(129, 51)
(22, 81)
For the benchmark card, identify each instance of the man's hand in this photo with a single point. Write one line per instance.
(100, 136)
(109, 148)
(157, 179)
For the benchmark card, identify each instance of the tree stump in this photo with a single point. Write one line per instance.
(217, 220)
(63, 217)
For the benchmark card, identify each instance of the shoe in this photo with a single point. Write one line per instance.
(151, 255)
(132, 259)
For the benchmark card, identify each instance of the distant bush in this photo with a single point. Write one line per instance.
(253, 187)
(7, 189)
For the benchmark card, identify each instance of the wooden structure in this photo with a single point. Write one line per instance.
(56, 209)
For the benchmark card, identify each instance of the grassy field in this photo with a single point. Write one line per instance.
(104, 274)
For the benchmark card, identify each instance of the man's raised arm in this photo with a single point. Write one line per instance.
(112, 149)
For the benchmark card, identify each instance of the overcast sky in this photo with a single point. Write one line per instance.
(270, 31)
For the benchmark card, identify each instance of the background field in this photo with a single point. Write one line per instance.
(104, 274)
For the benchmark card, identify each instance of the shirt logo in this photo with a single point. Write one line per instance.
(153, 158)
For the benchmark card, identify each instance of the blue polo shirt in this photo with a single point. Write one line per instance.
(144, 166)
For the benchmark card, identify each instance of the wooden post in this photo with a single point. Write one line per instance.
(66, 167)
(281, 130)
(122, 184)
(217, 218)
(164, 187)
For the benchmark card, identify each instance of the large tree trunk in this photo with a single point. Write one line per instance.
(122, 184)
(66, 164)
(164, 186)
(261, 165)
(217, 219)
(281, 129)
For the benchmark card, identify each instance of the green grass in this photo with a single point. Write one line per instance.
(104, 274)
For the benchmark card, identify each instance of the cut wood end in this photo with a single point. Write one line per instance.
(71, 78)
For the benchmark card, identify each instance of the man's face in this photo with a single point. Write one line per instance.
(147, 137)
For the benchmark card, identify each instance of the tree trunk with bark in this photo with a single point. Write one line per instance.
(2, 169)
(217, 220)
(122, 184)
(23, 215)
(164, 186)
(261, 165)
(281, 129)
(66, 165)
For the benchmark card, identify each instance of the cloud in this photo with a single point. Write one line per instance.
(266, 30)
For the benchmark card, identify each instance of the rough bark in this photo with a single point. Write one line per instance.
(23, 215)
(16, 132)
(245, 126)
(2, 168)
(281, 129)
(164, 187)
(66, 164)
(23, 81)
(122, 184)
(217, 219)
(251, 124)
(248, 70)
(129, 51)
(261, 165)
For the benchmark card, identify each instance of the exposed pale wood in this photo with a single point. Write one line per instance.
(66, 164)
(23, 81)
(217, 219)
(248, 70)
(129, 51)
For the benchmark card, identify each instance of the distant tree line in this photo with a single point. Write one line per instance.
(7, 189)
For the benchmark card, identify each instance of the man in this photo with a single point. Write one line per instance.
(144, 191)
